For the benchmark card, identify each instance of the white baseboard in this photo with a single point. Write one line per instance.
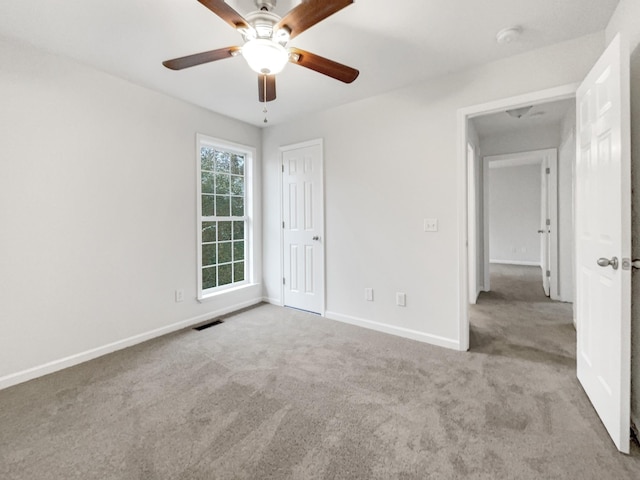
(398, 331)
(273, 301)
(525, 263)
(54, 366)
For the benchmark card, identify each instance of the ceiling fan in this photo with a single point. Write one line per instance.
(265, 37)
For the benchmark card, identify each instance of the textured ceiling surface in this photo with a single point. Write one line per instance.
(552, 113)
(393, 44)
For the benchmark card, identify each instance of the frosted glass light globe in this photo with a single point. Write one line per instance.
(265, 56)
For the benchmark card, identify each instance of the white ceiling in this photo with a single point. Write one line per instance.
(545, 114)
(392, 43)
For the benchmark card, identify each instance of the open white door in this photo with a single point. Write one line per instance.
(472, 225)
(603, 240)
(544, 230)
(549, 223)
(303, 227)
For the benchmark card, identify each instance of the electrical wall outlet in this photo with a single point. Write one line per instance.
(368, 294)
(179, 295)
(401, 299)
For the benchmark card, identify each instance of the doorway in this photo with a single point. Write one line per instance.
(521, 208)
(465, 135)
(603, 235)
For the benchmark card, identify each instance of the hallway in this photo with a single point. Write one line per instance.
(515, 319)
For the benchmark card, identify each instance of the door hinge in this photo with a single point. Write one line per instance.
(548, 170)
(283, 281)
(283, 168)
(282, 224)
(548, 273)
(628, 264)
(548, 221)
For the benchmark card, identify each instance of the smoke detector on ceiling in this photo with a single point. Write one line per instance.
(508, 35)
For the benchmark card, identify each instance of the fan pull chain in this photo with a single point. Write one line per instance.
(264, 97)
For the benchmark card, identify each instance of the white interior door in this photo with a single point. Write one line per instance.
(549, 223)
(303, 227)
(544, 229)
(472, 225)
(603, 240)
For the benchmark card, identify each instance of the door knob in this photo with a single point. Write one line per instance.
(540, 231)
(316, 238)
(605, 262)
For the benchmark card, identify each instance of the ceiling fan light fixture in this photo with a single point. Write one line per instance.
(508, 35)
(519, 112)
(265, 56)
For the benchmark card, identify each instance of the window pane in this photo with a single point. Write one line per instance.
(207, 182)
(222, 161)
(224, 274)
(237, 185)
(206, 158)
(238, 251)
(237, 206)
(207, 206)
(224, 231)
(224, 252)
(209, 278)
(238, 230)
(222, 184)
(238, 271)
(208, 254)
(237, 164)
(222, 205)
(208, 232)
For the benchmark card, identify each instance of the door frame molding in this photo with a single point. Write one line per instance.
(464, 114)
(532, 157)
(294, 146)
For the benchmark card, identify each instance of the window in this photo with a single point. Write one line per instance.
(224, 215)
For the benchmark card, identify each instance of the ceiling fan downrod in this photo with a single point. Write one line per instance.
(266, 5)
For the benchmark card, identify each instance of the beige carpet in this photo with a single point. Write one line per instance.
(273, 393)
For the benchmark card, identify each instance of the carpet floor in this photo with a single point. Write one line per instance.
(274, 393)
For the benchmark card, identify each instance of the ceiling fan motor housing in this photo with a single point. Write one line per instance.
(262, 23)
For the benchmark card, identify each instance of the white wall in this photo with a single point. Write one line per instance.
(566, 167)
(97, 206)
(515, 194)
(390, 161)
(625, 20)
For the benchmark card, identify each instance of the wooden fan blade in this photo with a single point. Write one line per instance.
(200, 58)
(225, 12)
(323, 65)
(268, 83)
(308, 13)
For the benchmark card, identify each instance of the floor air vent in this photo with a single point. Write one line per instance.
(208, 325)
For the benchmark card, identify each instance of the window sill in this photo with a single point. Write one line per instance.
(218, 293)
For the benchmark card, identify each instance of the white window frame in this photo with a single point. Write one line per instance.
(249, 154)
